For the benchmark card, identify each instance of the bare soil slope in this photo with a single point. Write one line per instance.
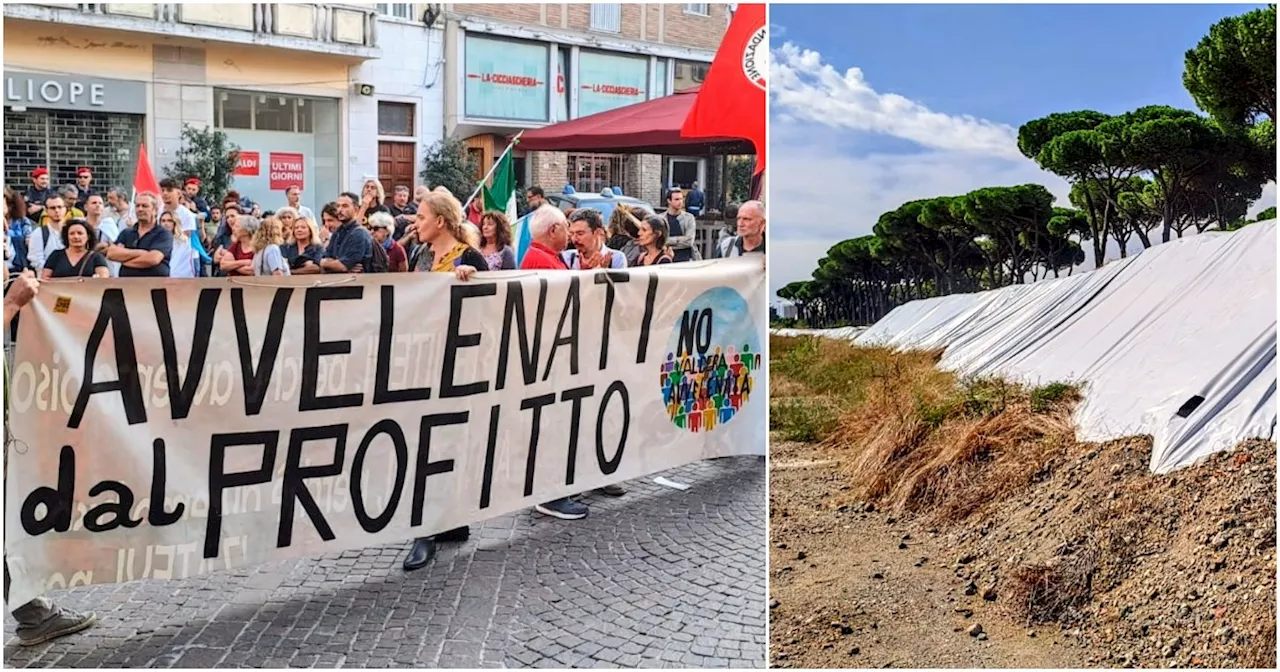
(925, 525)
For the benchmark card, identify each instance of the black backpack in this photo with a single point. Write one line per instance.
(379, 262)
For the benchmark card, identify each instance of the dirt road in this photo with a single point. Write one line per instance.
(856, 588)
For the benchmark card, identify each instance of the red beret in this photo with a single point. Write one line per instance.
(193, 180)
(38, 172)
(83, 170)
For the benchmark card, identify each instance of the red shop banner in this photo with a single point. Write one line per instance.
(248, 164)
(286, 170)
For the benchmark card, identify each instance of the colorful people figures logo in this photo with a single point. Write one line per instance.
(711, 361)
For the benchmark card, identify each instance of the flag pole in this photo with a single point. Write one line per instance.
(496, 163)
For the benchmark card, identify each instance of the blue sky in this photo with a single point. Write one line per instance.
(876, 105)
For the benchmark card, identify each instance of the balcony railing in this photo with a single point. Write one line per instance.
(323, 27)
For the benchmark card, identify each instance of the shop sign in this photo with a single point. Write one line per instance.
(86, 94)
(609, 81)
(286, 170)
(562, 91)
(247, 164)
(505, 79)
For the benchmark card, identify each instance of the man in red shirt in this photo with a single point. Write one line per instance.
(550, 232)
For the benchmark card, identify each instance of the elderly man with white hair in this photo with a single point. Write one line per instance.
(750, 236)
(549, 231)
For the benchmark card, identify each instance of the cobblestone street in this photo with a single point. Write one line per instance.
(658, 578)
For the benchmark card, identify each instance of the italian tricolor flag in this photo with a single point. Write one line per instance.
(502, 197)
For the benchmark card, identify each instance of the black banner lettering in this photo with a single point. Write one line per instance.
(575, 395)
(572, 308)
(313, 349)
(112, 314)
(256, 381)
(425, 466)
(650, 297)
(608, 279)
(610, 465)
(454, 341)
(371, 523)
(528, 354)
(535, 428)
(182, 393)
(382, 375)
(219, 480)
(294, 489)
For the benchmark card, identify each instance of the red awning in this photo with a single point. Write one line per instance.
(651, 127)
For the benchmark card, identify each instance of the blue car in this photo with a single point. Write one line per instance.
(604, 202)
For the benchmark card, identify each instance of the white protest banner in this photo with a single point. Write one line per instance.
(234, 422)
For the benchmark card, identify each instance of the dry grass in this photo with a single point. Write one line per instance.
(1050, 592)
(923, 441)
(918, 439)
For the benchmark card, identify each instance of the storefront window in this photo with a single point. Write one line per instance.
(273, 113)
(305, 116)
(297, 142)
(608, 81)
(660, 79)
(690, 74)
(262, 112)
(235, 110)
(594, 172)
(505, 79)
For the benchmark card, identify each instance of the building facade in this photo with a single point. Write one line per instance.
(85, 84)
(328, 94)
(404, 111)
(514, 67)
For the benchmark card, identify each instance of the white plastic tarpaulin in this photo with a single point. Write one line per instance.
(1178, 342)
(839, 333)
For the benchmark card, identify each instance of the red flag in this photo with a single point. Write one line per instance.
(144, 180)
(732, 100)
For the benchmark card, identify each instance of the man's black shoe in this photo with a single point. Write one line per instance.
(424, 549)
(456, 534)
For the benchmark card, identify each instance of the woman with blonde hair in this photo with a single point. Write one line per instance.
(302, 249)
(443, 239)
(267, 238)
(439, 228)
(183, 260)
(472, 234)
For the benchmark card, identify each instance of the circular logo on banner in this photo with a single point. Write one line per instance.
(755, 58)
(713, 355)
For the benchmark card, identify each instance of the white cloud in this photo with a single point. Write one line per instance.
(805, 88)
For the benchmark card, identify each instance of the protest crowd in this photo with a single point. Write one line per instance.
(78, 232)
